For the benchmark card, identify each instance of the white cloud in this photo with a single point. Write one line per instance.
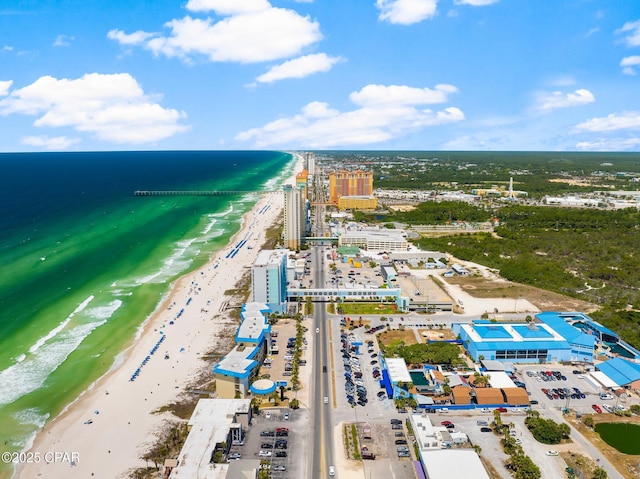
(547, 101)
(113, 107)
(228, 7)
(627, 120)
(7, 48)
(56, 143)
(406, 12)
(254, 31)
(615, 144)
(134, 38)
(373, 122)
(627, 64)
(377, 96)
(475, 3)
(633, 38)
(4, 87)
(300, 67)
(63, 41)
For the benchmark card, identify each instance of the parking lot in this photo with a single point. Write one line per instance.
(561, 391)
(279, 443)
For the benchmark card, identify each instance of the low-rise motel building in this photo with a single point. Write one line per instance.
(237, 370)
(215, 426)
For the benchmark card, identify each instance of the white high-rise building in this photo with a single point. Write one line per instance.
(269, 279)
(295, 217)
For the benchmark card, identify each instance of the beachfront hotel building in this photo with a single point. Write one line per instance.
(295, 216)
(350, 183)
(269, 279)
(237, 370)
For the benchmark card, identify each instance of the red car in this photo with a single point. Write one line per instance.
(445, 423)
(596, 408)
(502, 409)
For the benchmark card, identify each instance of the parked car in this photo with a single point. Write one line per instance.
(596, 408)
(264, 454)
(234, 455)
(485, 429)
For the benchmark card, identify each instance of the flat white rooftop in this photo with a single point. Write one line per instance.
(398, 370)
(210, 423)
(453, 463)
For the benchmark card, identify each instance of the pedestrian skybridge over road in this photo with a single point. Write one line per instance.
(328, 294)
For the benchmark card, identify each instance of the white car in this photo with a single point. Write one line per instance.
(332, 471)
(264, 454)
(552, 453)
(326, 400)
(317, 330)
(268, 415)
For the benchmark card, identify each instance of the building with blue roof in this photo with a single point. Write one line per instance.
(237, 370)
(623, 373)
(552, 339)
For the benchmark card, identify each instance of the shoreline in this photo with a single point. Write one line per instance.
(103, 432)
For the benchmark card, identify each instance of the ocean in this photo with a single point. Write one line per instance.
(84, 262)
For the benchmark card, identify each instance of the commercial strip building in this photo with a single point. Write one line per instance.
(437, 459)
(375, 239)
(215, 425)
(236, 371)
(552, 339)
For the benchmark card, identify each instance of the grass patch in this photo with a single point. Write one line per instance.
(624, 437)
(367, 307)
(387, 339)
(351, 444)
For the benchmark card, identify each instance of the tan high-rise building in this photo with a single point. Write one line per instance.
(349, 183)
(302, 181)
(295, 216)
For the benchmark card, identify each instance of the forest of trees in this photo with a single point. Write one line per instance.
(583, 253)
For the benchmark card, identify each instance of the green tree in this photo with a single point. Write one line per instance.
(599, 473)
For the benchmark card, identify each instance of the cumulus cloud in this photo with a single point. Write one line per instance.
(548, 101)
(228, 7)
(372, 122)
(628, 64)
(300, 67)
(406, 12)
(252, 31)
(475, 3)
(4, 87)
(57, 143)
(134, 38)
(112, 107)
(627, 120)
(377, 96)
(632, 39)
(614, 144)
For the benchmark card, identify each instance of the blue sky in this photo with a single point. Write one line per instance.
(320, 74)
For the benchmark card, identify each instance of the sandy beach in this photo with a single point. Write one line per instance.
(103, 433)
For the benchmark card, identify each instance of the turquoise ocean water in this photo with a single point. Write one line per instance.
(83, 262)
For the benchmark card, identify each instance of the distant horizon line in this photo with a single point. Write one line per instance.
(328, 151)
